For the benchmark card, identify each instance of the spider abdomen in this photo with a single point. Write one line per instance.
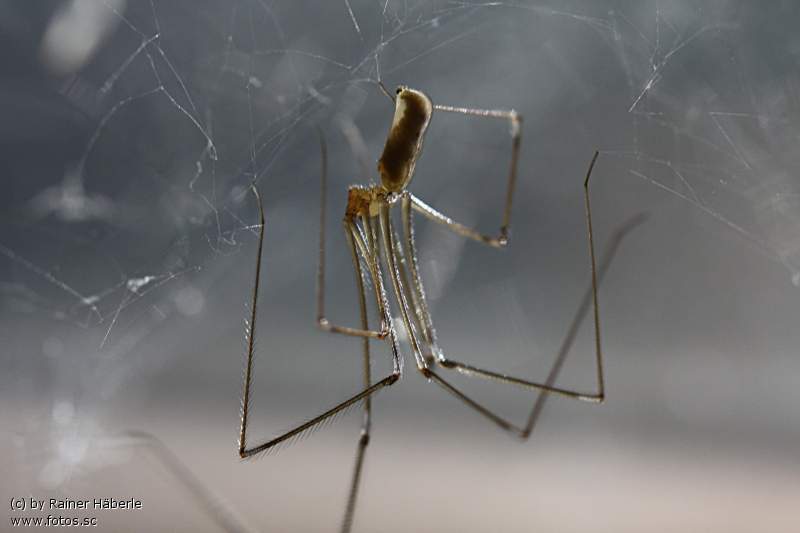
(404, 143)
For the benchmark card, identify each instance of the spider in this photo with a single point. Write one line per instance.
(371, 238)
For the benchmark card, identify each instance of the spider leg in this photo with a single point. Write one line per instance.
(365, 244)
(389, 248)
(213, 505)
(501, 239)
(322, 321)
(403, 271)
(597, 396)
(355, 481)
(578, 318)
(363, 441)
(244, 450)
(418, 296)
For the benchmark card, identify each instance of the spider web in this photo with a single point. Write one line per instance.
(131, 216)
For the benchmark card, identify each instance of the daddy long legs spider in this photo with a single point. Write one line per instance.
(372, 239)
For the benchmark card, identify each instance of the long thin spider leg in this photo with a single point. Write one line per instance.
(597, 396)
(363, 440)
(436, 216)
(501, 239)
(368, 252)
(403, 269)
(251, 327)
(388, 380)
(501, 422)
(578, 318)
(387, 232)
(601, 384)
(244, 451)
(388, 248)
(323, 322)
(213, 505)
(366, 244)
(355, 482)
(420, 300)
(580, 315)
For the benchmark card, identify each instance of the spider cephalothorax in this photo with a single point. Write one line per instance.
(365, 200)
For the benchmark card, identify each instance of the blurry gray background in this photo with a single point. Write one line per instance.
(129, 132)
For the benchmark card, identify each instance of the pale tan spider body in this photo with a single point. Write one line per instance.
(378, 251)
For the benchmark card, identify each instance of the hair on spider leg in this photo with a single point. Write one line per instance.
(303, 435)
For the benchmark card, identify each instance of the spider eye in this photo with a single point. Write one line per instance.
(399, 90)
